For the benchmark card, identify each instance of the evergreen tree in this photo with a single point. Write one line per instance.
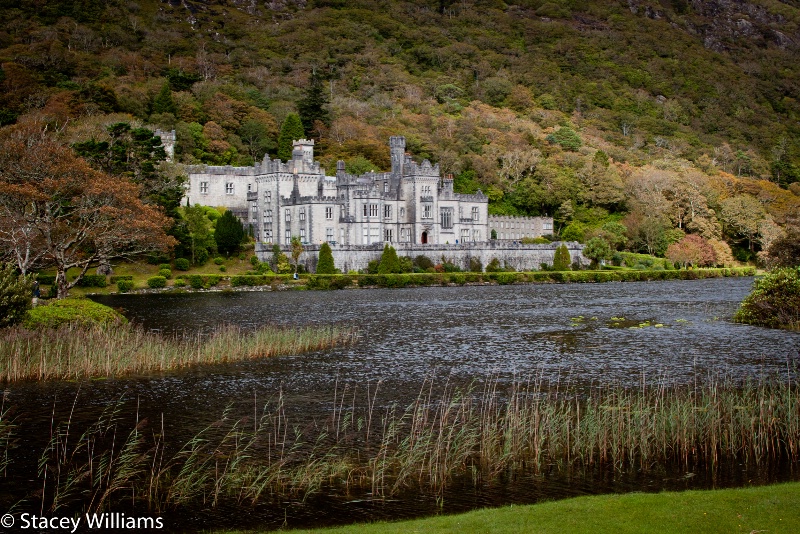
(390, 264)
(229, 233)
(15, 295)
(597, 250)
(291, 130)
(312, 106)
(561, 259)
(163, 102)
(325, 264)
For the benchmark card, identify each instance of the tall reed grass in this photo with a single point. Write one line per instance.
(477, 434)
(74, 351)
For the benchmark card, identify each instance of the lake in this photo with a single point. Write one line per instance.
(574, 337)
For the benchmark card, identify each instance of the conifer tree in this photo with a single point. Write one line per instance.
(312, 106)
(291, 130)
(163, 102)
(325, 263)
(389, 262)
(561, 259)
(229, 233)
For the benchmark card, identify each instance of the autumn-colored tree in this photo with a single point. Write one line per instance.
(692, 250)
(297, 250)
(78, 216)
(742, 215)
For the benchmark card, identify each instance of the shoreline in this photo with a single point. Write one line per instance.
(240, 283)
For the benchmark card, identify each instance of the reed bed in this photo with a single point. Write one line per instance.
(472, 434)
(75, 352)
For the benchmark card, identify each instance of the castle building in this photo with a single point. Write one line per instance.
(410, 204)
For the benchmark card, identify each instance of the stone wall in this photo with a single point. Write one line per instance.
(354, 258)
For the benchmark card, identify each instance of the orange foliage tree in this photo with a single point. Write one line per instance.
(56, 209)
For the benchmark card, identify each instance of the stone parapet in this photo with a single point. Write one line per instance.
(355, 258)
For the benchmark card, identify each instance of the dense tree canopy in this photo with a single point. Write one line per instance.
(669, 119)
(72, 215)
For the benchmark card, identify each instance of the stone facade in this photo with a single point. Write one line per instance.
(410, 204)
(509, 228)
(518, 256)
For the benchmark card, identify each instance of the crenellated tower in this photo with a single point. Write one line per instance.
(397, 149)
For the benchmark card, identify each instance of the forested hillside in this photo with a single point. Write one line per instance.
(665, 117)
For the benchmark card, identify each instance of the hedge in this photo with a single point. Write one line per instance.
(46, 279)
(116, 278)
(93, 280)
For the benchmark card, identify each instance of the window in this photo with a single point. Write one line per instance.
(365, 236)
(329, 213)
(405, 235)
(268, 216)
(254, 211)
(373, 210)
(329, 235)
(365, 210)
(447, 217)
(249, 187)
(302, 235)
(426, 211)
(203, 188)
(341, 235)
(288, 215)
(476, 235)
(387, 235)
(465, 235)
(268, 236)
(475, 215)
(288, 237)
(402, 212)
(302, 214)
(547, 226)
(268, 196)
(387, 212)
(426, 190)
(229, 188)
(385, 187)
(374, 234)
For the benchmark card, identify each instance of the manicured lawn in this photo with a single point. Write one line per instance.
(768, 509)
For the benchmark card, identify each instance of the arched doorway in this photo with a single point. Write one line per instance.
(424, 239)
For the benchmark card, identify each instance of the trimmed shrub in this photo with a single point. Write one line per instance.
(561, 259)
(71, 310)
(218, 261)
(325, 263)
(93, 280)
(249, 280)
(182, 264)
(195, 281)
(180, 282)
(156, 282)
(166, 273)
(117, 278)
(123, 286)
(164, 266)
(46, 279)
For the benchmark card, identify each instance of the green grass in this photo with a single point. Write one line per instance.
(768, 509)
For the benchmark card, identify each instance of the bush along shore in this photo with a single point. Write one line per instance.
(216, 282)
(75, 350)
(456, 436)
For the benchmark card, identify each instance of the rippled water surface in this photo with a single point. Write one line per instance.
(568, 336)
